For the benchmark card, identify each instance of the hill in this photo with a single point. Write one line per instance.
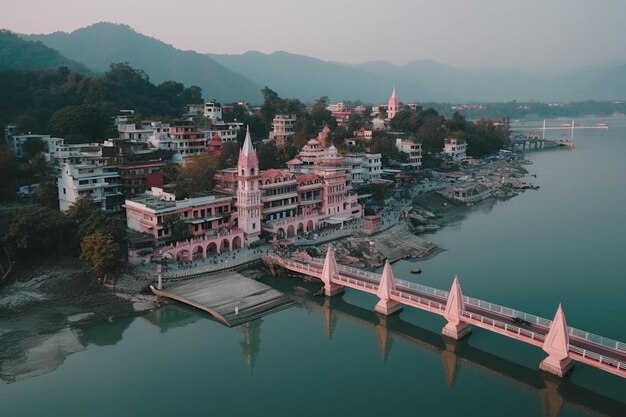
(306, 78)
(99, 45)
(20, 54)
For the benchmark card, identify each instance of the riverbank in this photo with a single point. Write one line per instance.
(44, 310)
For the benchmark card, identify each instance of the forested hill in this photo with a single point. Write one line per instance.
(101, 44)
(19, 54)
(79, 107)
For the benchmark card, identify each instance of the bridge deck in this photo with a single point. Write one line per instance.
(596, 351)
(220, 295)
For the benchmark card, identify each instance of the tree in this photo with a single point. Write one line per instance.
(101, 251)
(197, 175)
(48, 195)
(8, 167)
(228, 155)
(40, 231)
(176, 227)
(32, 147)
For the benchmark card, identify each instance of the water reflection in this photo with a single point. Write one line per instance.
(251, 342)
(552, 392)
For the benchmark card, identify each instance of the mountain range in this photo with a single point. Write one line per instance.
(242, 76)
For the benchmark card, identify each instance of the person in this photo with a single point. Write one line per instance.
(236, 310)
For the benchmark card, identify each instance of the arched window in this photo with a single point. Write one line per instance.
(252, 171)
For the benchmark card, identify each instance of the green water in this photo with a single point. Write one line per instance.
(563, 243)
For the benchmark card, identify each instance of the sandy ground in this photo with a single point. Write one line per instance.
(43, 311)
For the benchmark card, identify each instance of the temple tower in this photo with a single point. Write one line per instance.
(248, 191)
(392, 106)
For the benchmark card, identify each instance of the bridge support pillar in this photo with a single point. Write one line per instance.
(328, 272)
(332, 289)
(456, 328)
(387, 284)
(556, 346)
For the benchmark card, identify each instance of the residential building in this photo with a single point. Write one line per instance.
(138, 177)
(354, 165)
(207, 215)
(282, 128)
(101, 183)
(455, 149)
(194, 109)
(372, 166)
(131, 132)
(213, 111)
(413, 151)
(227, 131)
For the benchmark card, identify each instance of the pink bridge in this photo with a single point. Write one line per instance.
(563, 344)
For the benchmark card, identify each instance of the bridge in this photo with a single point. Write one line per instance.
(563, 344)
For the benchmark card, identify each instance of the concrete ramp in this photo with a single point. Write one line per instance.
(229, 297)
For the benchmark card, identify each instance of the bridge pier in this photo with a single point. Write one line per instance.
(387, 284)
(556, 346)
(456, 328)
(328, 272)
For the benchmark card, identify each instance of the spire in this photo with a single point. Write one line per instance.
(556, 345)
(386, 305)
(247, 148)
(330, 265)
(393, 95)
(329, 271)
(387, 283)
(557, 340)
(455, 307)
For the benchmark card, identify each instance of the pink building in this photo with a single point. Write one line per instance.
(286, 203)
(392, 106)
(206, 215)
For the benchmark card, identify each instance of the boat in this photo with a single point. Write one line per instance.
(416, 271)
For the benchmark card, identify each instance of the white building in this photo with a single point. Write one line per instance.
(131, 132)
(371, 166)
(455, 148)
(227, 131)
(100, 183)
(412, 149)
(194, 109)
(282, 128)
(354, 165)
(213, 111)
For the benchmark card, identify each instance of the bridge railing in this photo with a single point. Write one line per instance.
(422, 288)
(418, 299)
(619, 365)
(599, 340)
(486, 305)
(505, 326)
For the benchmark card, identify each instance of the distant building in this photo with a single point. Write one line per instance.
(393, 107)
(282, 128)
(137, 177)
(194, 109)
(101, 184)
(413, 151)
(455, 149)
(213, 111)
(227, 131)
(372, 166)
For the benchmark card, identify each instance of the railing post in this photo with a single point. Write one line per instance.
(455, 308)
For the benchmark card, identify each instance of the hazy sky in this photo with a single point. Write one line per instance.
(470, 33)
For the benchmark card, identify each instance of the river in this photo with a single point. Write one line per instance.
(563, 243)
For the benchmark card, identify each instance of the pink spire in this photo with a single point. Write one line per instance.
(556, 345)
(330, 266)
(456, 327)
(387, 283)
(247, 148)
(557, 339)
(454, 306)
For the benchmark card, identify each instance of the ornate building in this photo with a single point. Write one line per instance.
(248, 191)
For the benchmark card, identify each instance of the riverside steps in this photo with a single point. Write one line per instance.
(563, 344)
(230, 298)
